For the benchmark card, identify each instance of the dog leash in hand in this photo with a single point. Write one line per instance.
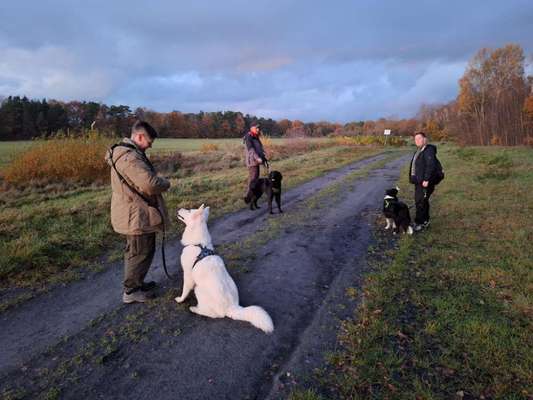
(267, 165)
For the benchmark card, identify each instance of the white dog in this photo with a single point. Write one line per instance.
(204, 271)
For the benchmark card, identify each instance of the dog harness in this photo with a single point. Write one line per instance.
(204, 252)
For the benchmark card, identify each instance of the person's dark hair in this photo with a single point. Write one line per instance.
(420, 133)
(143, 126)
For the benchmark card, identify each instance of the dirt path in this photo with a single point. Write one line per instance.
(299, 276)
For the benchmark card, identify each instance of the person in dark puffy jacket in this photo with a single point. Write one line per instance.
(254, 153)
(423, 173)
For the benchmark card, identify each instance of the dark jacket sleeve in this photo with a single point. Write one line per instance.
(255, 144)
(429, 154)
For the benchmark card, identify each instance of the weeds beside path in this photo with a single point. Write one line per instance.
(448, 315)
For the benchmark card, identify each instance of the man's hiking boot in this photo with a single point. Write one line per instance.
(137, 296)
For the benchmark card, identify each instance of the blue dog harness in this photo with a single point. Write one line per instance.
(204, 252)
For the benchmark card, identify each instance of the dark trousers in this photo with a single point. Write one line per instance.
(422, 195)
(138, 256)
(253, 173)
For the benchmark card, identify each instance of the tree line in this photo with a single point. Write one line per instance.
(22, 119)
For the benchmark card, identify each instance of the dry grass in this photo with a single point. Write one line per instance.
(59, 160)
(369, 140)
(209, 147)
(75, 162)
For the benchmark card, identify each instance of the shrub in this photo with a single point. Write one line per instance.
(208, 147)
(369, 140)
(57, 160)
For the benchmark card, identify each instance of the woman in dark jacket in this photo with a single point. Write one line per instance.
(423, 173)
(255, 154)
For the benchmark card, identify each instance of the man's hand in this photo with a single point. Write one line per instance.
(425, 184)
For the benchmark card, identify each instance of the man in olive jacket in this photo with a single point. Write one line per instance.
(422, 173)
(137, 207)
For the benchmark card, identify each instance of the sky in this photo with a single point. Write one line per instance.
(311, 60)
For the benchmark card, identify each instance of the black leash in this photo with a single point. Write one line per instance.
(170, 277)
(142, 196)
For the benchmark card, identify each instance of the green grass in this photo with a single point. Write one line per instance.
(10, 149)
(450, 314)
(47, 234)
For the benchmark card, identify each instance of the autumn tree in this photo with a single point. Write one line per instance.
(491, 97)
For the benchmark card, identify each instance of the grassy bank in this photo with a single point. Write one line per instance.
(48, 234)
(448, 314)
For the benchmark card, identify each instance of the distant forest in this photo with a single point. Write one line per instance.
(23, 118)
(494, 106)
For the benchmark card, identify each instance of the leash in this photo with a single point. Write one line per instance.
(170, 277)
(142, 196)
(267, 166)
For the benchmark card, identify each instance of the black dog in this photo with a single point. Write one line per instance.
(396, 212)
(271, 186)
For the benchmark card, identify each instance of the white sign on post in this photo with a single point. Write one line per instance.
(386, 132)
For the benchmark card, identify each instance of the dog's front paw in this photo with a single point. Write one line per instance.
(179, 299)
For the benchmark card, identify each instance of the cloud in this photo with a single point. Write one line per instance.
(50, 72)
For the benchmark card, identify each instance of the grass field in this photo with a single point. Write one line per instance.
(10, 149)
(448, 313)
(186, 145)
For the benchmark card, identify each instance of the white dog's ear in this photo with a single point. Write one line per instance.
(206, 213)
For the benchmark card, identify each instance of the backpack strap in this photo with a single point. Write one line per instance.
(122, 179)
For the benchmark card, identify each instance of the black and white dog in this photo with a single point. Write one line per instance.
(271, 186)
(396, 212)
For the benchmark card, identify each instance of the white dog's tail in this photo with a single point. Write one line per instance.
(254, 315)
